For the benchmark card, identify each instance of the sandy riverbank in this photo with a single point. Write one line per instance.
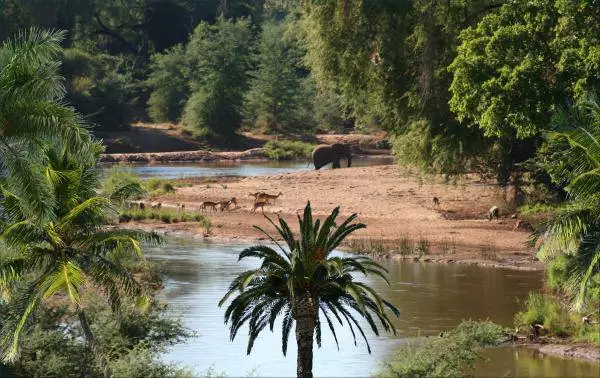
(394, 205)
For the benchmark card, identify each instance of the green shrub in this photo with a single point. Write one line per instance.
(288, 150)
(556, 319)
(452, 355)
(121, 183)
(165, 215)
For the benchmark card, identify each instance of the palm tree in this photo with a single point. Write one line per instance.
(32, 113)
(66, 253)
(303, 279)
(574, 230)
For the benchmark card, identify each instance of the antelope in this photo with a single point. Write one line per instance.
(256, 195)
(266, 197)
(226, 203)
(436, 202)
(258, 204)
(494, 212)
(206, 204)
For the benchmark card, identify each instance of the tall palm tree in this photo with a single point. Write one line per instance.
(32, 113)
(67, 252)
(574, 230)
(301, 280)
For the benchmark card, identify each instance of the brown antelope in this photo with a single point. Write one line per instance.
(224, 205)
(256, 195)
(267, 197)
(436, 202)
(258, 204)
(206, 204)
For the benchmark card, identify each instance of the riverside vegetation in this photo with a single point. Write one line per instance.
(505, 90)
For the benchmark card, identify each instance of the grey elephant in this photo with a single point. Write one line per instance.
(324, 154)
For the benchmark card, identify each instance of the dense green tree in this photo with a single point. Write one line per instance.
(219, 56)
(573, 234)
(302, 280)
(388, 61)
(168, 82)
(276, 101)
(61, 254)
(524, 61)
(32, 113)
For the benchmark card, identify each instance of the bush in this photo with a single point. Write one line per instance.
(157, 187)
(119, 182)
(166, 215)
(452, 355)
(288, 150)
(556, 319)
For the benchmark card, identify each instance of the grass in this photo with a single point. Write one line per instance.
(447, 246)
(288, 150)
(403, 245)
(557, 320)
(489, 251)
(164, 214)
(453, 355)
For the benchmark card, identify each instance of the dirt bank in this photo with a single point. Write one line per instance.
(397, 208)
(577, 351)
(169, 137)
(183, 156)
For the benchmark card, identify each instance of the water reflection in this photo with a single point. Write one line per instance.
(431, 298)
(526, 362)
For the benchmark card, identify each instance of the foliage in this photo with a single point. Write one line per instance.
(59, 255)
(54, 347)
(157, 187)
(522, 62)
(99, 86)
(452, 355)
(121, 184)
(32, 112)
(575, 228)
(219, 61)
(168, 82)
(557, 319)
(275, 101)
(303, 279)
(165, 215)
(288, 150)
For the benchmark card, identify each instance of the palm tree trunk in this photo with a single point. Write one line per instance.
(305, 314)
(92, 343)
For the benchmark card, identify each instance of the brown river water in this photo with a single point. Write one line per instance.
(431, 297)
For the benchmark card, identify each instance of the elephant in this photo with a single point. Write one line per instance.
(324, 154)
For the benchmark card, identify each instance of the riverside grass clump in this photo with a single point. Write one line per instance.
(288, 150)
(557, 320)
(403, 245)
(452, 355)
(163, 214)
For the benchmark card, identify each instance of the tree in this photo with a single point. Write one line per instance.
(65, 252)
(574, 231)
(168, 81)
(219, 61)
(32, 113)
(520, 64)
(275, 100)
(302, 280)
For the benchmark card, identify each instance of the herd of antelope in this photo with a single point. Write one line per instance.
(260, 200)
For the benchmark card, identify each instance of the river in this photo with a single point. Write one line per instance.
(227, 168)
(431, 298)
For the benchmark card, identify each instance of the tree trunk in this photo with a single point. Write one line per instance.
(305, 314)
(93, 344)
